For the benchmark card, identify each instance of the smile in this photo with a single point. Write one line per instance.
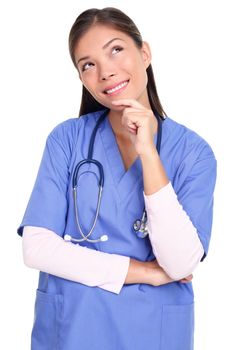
(117, 88)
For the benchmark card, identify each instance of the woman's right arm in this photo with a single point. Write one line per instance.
(149, 272)
(44, 250)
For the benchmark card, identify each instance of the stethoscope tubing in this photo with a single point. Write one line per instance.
(139, 225)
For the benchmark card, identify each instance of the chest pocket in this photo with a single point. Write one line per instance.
(177, 327)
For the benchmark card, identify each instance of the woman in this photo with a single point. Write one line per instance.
(105, 282)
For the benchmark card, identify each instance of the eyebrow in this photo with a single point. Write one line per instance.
(104, 47)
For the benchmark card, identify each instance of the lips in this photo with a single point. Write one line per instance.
(116, 87)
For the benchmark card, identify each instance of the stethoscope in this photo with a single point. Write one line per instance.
(140, 225)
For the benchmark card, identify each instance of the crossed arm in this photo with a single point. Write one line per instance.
(46, 251)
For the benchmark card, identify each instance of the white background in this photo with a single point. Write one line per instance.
(191, 43)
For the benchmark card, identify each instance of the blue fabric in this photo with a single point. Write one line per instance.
(70, 315)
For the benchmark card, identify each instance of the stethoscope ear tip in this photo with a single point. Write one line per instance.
(104, 238)
(67, 238)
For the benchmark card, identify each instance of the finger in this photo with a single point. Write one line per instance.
(189, 278)
(136, 111)
(134, 115)
(186, 279)
(133, 131)
(127, 102)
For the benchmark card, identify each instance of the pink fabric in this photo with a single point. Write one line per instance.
(46, 251)
(173, 237)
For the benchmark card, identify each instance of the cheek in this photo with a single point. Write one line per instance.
(141, 70)
(88, 82)
(136, 68)
(126, 64)
(140, 75)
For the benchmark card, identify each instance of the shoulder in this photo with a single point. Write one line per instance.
(187, 141)
(67, 132)
(189, 154)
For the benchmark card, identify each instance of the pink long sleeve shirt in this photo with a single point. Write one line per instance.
(173, 237)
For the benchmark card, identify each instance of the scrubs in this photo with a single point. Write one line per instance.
(71, 315)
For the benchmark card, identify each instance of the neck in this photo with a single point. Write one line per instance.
(114, 118)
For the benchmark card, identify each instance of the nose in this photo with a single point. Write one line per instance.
(106, 71)
(107, 76)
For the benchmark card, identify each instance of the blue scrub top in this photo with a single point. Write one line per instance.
(71, 315)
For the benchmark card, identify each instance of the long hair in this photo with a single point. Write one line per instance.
(118, 20)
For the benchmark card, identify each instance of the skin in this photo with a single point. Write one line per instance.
(104, 58)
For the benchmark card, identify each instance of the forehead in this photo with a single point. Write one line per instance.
(97, 36)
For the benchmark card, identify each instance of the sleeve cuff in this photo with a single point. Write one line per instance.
(161, 199)
(118, 272)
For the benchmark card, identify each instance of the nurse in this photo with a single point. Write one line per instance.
(125, 292)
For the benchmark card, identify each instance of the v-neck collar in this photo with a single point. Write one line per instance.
(125, 181)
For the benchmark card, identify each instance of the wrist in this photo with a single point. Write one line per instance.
(137, 272)
(151, 272)
(149, 154)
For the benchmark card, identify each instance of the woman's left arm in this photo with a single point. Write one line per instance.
(174, 237)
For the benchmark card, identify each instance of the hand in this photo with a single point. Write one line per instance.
(141, 124)
(159, 276)
(186, 279)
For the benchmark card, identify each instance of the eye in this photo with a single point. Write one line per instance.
(86, 66)
(116, 49)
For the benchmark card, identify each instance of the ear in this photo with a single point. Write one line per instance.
(146, 54)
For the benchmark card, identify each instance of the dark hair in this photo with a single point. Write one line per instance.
(117, 19)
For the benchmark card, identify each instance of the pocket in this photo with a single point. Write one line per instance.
(47, 318)
(177, 329)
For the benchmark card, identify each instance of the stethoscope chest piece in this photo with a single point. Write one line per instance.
(140, 226)
(137, 225)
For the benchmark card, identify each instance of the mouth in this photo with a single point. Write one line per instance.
(115, 89)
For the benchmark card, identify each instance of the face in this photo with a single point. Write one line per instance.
(111, 67)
